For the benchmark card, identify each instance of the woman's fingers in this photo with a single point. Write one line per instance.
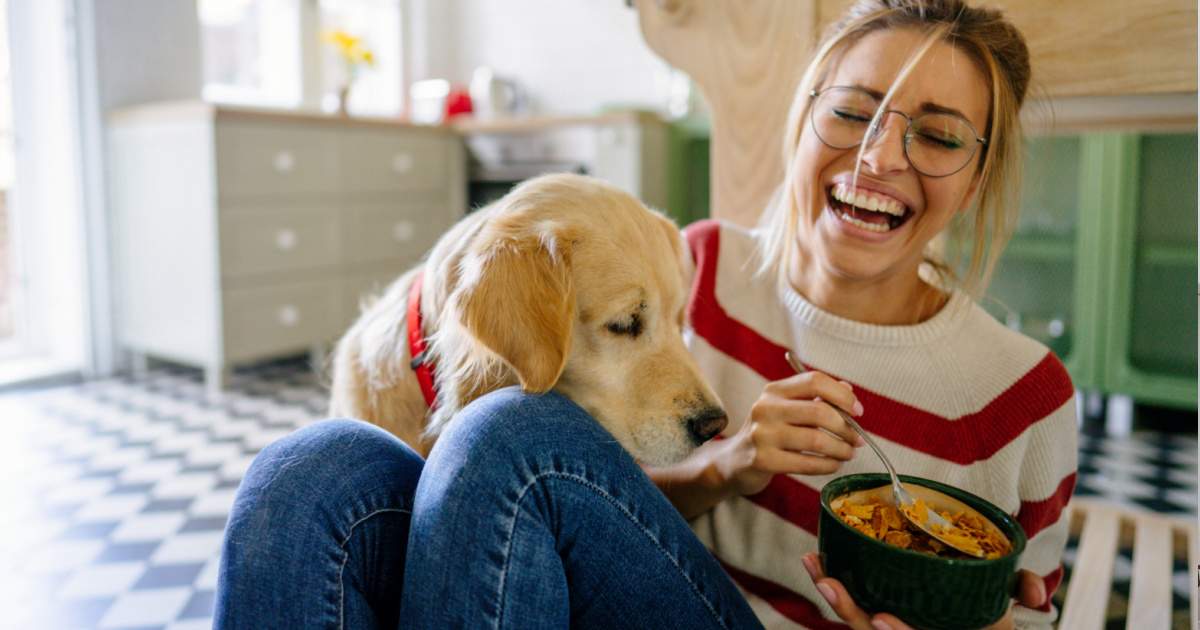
(835, 594)
(884, 621)
(1031, 592)
(839, 599)
(801, 463)
(804, 439)
(814, 384)
(807, 413)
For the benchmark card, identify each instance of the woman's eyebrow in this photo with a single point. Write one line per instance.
(927, 106)
(934, 108)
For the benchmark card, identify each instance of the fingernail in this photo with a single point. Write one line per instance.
(827, 593)
(858, 408)
(880, 624)
(808, 566)
(1041, 587)
(847, 384)
(859, 441)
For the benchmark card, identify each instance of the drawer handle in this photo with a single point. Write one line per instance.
(286, 239)
(402, 231)
(402, 163)
(284, 161)
(289, 315)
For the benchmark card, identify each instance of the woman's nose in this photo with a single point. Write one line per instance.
(884, 150)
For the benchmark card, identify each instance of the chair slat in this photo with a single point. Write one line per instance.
(1091, 578)
(1193, 539)
(1150, 590)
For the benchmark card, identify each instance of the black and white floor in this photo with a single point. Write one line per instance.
(115, 492)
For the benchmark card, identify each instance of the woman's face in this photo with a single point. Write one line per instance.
(831, 233)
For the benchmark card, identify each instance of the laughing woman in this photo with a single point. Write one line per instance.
(528, 515)
(904, 126)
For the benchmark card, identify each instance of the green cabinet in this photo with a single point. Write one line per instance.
(688, 178)
(1102, 267)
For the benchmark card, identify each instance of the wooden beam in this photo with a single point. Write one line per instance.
(747, 57)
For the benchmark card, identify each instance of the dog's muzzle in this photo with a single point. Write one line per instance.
(705, 424)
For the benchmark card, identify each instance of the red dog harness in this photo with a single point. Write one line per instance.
(417, 346)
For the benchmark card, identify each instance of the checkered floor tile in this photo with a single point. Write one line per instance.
(124, 490)
(117, 491)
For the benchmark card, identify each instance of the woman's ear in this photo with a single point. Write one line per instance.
(518, 300)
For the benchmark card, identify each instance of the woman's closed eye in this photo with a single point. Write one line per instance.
(851, 115)
(940, 141)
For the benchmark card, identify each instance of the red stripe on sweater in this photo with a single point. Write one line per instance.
(792, 501)
(1034, 516)
(974, 437)
(1052, 580)
(789, 603)
(709, 319)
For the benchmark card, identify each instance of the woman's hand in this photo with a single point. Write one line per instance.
(791, 429)
(1032, 594)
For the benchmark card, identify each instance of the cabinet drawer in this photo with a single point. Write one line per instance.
(278, 240)
(279, 159)
(360, 286)
(399, 232)
(387, 162)
(270, 320)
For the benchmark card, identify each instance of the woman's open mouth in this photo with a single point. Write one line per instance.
(867, 210)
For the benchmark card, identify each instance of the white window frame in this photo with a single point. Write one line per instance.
(48, 222)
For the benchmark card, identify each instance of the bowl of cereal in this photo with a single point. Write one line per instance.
(888, 565)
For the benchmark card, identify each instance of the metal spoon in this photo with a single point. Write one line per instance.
(904, 500)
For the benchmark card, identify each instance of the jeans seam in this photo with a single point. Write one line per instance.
(629, 515)
(346, 556)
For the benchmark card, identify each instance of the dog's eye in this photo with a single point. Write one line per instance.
(632, 326)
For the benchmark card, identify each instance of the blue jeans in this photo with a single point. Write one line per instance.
(528, 514)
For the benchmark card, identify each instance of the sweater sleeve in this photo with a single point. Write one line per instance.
(1047, 480)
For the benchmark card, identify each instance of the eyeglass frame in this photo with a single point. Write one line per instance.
(873, 130)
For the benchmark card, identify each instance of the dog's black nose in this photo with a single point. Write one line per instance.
(706, 423)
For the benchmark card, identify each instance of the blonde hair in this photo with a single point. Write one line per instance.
(1000, 52)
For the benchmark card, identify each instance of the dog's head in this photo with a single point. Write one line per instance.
(577, 286)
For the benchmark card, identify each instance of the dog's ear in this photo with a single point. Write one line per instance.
(517, 297)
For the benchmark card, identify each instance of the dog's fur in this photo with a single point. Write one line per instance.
(543, 288)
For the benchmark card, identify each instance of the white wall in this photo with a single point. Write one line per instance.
(574, 56)
(146, 50)
(127, 52)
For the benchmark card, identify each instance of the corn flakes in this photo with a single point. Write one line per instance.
(883, 521)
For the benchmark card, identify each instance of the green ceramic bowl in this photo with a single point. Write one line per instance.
(925, 591)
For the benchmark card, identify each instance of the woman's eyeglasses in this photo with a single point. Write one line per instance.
(936, 144)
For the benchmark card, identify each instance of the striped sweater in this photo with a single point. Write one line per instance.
(958, 398)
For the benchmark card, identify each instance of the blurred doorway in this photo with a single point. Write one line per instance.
(10, 298)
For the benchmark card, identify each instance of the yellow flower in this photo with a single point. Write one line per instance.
(352, 49)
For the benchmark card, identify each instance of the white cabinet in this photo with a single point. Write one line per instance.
(241, 235)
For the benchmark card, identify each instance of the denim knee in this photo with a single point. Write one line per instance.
(292, 530)
(510, 424)
(326, 465)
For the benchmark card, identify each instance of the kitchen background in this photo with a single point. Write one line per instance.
(194, 197)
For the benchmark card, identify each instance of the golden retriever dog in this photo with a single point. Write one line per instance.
(566, 283)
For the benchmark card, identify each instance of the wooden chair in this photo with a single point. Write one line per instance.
(1103, 530)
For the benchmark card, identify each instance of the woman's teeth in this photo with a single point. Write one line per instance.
(870, 227)
(862, 201)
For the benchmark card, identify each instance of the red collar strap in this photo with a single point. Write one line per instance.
(417, 348)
